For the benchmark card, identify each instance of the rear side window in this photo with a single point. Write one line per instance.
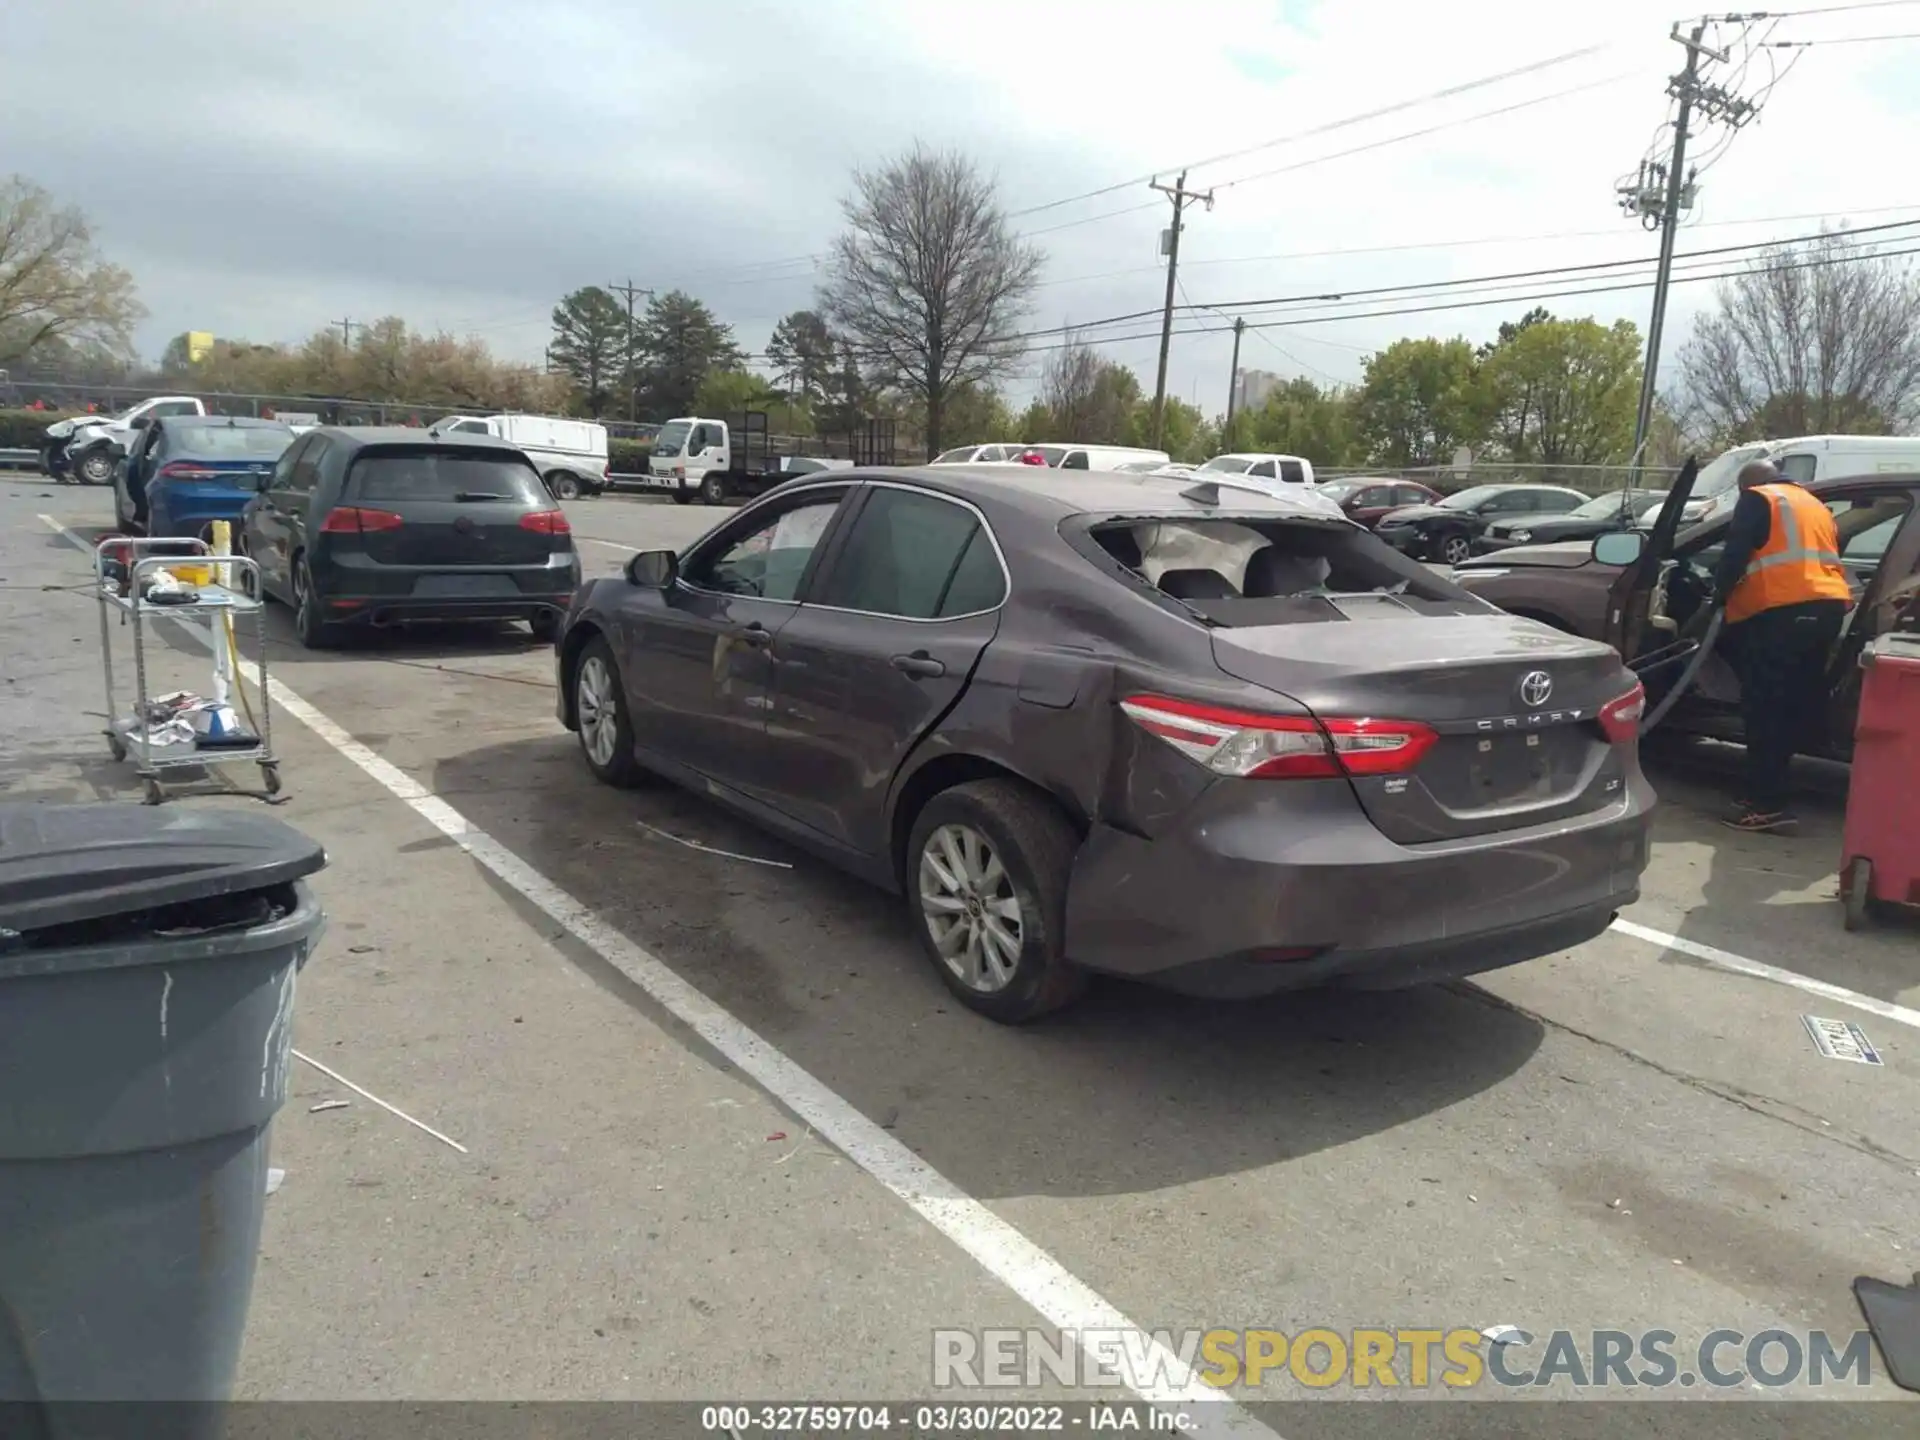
(1797, 468)
(238, 442)
(917, 557)
(394, 478)
(1293, 472)
(1076, 460)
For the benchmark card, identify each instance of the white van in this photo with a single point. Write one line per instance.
(1088, 457)
(1811, 457)
(571, 454)
(1288, 469)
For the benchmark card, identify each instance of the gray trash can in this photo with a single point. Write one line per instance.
(147, 966)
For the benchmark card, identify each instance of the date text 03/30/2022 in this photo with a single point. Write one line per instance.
(934, 1419)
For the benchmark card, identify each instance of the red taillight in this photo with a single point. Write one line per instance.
(1281, 747)
(1620, 719)
(546, 522)
(354, 520)
(181, 470)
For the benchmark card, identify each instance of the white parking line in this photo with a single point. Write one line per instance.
(1003, 1251)
(1741, 965)
(610, 544)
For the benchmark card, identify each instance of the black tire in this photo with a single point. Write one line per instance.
(95, 468)
(713, 491)
(1032, 842)
(564, 485)
(545, 625)
(314, 633)
(614, 764)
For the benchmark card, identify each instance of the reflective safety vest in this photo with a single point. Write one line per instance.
(1799, 562)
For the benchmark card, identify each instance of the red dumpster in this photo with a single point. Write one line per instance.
(1880, 856)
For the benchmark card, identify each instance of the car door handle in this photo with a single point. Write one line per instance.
(756, 635)
(920, 665)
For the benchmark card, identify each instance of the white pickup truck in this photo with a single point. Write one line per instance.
(570, 454)
(84, 449)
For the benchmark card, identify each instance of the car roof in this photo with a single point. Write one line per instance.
(1051, 495)
(358, 437)
(236, 422)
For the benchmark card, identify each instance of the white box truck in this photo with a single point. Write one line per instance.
(570, 454)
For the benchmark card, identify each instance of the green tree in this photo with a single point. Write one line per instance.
(801, 350)
(976, 414)
(1564, 392)
(54, 286)
(1089, 398)
(728, 392)
(679, 342)
(929, 283)
(590, 345)
(1300, 418)
(1187, 435)
(1419, 402)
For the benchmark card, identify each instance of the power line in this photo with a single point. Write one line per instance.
(1815, 10)
(1560, 294)
(1838, 40)
(1477, 281)
(1445, 93)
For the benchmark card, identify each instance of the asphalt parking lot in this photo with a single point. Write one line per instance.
(1638, 1134)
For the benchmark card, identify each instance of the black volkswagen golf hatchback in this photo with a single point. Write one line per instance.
(366, 526)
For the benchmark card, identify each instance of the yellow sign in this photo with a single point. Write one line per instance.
(199, 345)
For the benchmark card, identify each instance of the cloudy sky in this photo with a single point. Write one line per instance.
(264, 170)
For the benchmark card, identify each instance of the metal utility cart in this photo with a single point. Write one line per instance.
(130, 732)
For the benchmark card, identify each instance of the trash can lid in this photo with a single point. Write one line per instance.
(65, 863)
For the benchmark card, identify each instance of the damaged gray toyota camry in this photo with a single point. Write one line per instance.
(1219, 740)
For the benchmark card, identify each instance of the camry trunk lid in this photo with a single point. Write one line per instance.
(1516, 711)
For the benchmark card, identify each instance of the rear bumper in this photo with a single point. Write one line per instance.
(1202, 906)
(356, 589)
(173, 513)
(347, 611)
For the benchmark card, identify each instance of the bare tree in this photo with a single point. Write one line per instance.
(928, 285)
(1069, 386)
(1822, 338)
(53, 284)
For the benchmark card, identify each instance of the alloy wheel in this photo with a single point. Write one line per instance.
(599, 705)
(971, 910)
(1456, 549)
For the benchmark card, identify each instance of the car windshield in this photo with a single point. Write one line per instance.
(445, 475)
(1718, 476)
(1339, 489)
(955, 457)
(1467, 499)
(672, 439)
(253, 442)
(1228, 465)
(1268, 571)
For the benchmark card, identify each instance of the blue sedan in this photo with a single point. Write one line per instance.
(183, 472)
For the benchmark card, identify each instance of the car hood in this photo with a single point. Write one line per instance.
(61, 429)
(1565, 556)
(1408, 514)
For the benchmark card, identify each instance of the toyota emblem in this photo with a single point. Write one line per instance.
(1535, 687)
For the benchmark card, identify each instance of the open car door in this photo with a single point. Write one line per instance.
(1890, 570)
(1630, 598)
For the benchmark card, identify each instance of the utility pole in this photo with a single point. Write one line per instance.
(1181, 198)
(347, 327)
(1665, 192)
(1233, 374)
(630, 290)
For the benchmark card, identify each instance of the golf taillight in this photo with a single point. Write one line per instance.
(357, 520)
(1620, 719)
(1281, 747)
(546, 522)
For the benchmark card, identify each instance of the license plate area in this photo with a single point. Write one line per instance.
(464, 587)
(1479, 772)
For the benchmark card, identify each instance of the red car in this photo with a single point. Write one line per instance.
(1365, 499)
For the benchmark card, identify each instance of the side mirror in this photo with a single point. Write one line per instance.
(653, 569)
(141, 422)
(1621, 548)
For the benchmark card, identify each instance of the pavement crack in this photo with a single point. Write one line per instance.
(1766, 1106)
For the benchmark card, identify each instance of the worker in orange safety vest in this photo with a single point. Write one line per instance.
(1786, 597)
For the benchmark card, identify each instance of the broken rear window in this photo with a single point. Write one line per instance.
(1247, 572)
